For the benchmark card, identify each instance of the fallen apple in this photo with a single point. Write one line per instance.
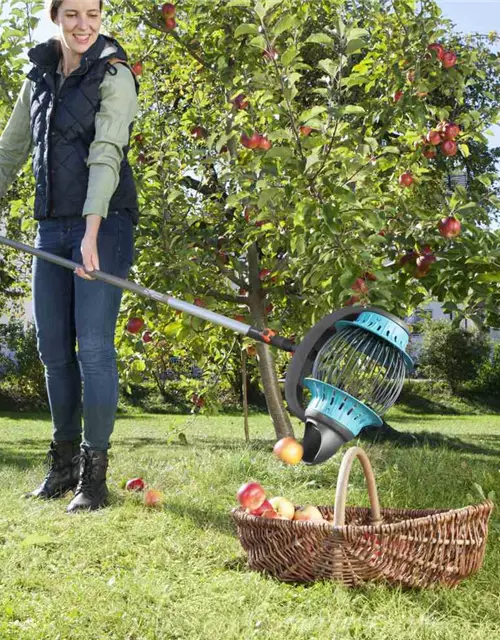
(135, 484)
(288, 450)
(153, 498)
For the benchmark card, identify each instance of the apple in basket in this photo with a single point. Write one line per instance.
(310, 513)
(265, 506)
(251, 495)
(283, 506)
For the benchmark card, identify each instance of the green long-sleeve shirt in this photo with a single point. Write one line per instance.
(118, 108)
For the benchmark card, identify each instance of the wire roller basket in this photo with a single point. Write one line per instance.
(407, 547)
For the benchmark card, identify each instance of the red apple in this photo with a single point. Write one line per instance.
(429, 152)
(153, 498)
(289, 450)
(135, 484)
(199, 302)
(251, 350)
(250, 142)
(265, 506)
(263, 273)
(198, 132)
(134, 325)
(433, 137)
(406, 179)
(367, 275)
(438, 48)
(168, 10)
(360, 286)
(449, 59)
(251, 495)
(424, 262)
(272, 515)
(241, 101)
(352, 300)
(283, 506)
(270, 54)
(451, 131)
(147, 337)
(449, 148)
(170, 24)
(239, 318)
(139, 138)
(198, 401)
(265, 143)
(137, 68)
(305, 130)
(449, 227)
(397, 96)
(269, 308)
(309, 513)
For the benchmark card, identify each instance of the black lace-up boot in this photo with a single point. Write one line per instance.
(91, 492)
(62, 459)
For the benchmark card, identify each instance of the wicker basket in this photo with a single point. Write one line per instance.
(413, 548)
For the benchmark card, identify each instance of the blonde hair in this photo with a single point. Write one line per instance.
(52, 7)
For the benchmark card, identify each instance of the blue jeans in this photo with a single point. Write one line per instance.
(71, 311)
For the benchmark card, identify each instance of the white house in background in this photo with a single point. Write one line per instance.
(434, 311)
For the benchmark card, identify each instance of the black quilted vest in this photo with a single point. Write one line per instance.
(63, 129)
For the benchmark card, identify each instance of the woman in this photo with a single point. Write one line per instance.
(75, 110)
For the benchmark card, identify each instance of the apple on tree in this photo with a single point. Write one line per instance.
(134, 325)
(449, 148)
(433, 137)
(449, 60)
(305, 130)
(168, 10)
(137, 68)
(406, 179)
(449, 227)
(438, 48)
(397, 96)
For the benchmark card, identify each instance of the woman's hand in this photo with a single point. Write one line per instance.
(90, 256)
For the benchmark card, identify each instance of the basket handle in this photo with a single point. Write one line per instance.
(342, 482)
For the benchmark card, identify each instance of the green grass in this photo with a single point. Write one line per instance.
(127, 572)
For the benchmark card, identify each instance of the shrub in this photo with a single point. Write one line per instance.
(488, 377)
(451, 353)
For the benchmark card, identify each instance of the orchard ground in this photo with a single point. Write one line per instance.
(129, 572)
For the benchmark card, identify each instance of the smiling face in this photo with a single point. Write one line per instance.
(79, 24)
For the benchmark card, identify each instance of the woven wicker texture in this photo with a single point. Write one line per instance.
(413, 548)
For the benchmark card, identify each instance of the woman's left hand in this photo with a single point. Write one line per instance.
(90, 257)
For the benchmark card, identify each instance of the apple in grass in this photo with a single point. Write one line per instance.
(153, 498)
(289, 450)
(135, 484)
(449, 227)
(308, 513)
(283, 506)
(251, 495)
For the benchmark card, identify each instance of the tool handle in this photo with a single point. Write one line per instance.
(180, 305)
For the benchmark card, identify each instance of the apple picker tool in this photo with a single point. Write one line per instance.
(352, 363)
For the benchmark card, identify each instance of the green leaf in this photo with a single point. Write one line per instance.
(279, 152)
(488, 277)
(289, 55)
(329, 66)
(244, 29)
(36, 540)
(354, 45)
(308, 114)
(312, 160)
(287, 22)
(238, 3)
(260, 10)
(320, 38)
(357, 33)
(391, 150)
(464, 150)
(259, 42)
(172, 329)
(352, 109)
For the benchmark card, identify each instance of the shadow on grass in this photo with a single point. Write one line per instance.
(386, 433)
(203, 518)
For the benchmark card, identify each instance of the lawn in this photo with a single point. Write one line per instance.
(128, 572)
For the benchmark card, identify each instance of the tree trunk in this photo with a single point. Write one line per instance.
(267, 366)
